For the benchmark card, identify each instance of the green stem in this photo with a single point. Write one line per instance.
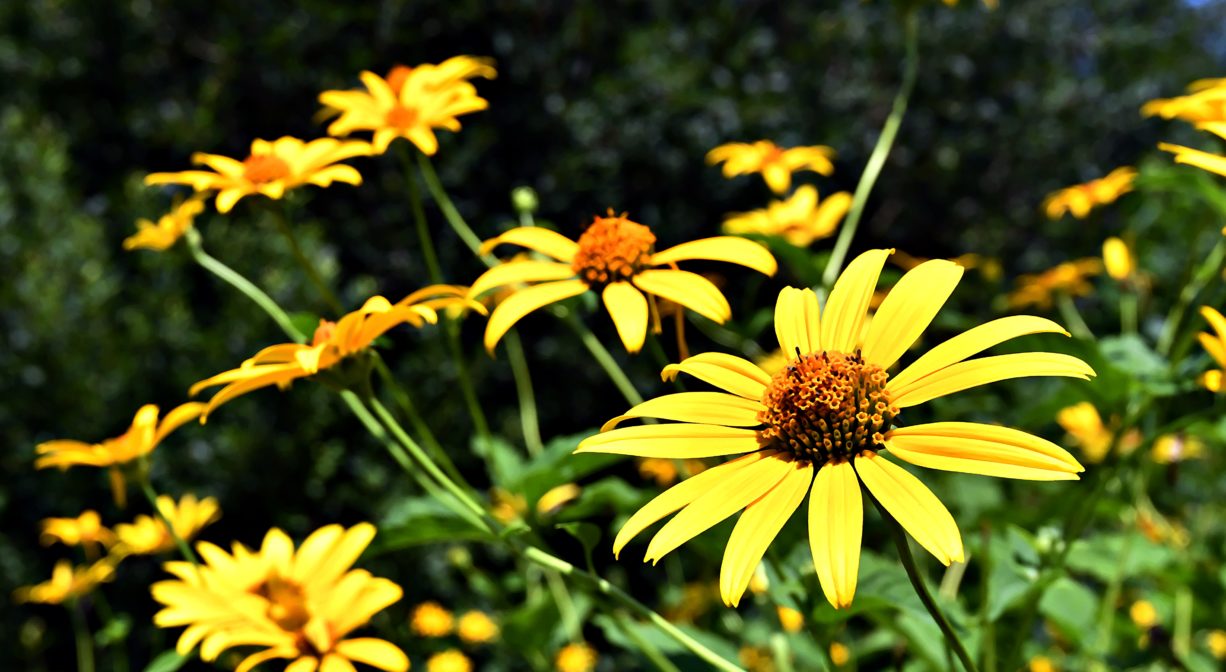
(566, 605)
(419, 214)
(282, 219)
(876, 160)
(1072, 317)
(480, 424)
(422, 430)
(119, 656)
(1128, 311)
(84, 639)
(528, 420)
(146, 487)
(604, 359)
(986, 626)
(1106, 616)
(449, 211)
(1208, 269)
(649, 650)
(781, 652)
(237, 281)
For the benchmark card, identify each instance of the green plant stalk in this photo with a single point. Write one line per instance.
(405, 403)
(1208, 269)
(449, 211)
(876, 160)
(643, 646)
(1072, 317)
(119, 658)
(566, 605)
(480, 424)
(987, 627)
(1181, 642)
(1106, 615)
(1128, 312)
(604, 359)
(419, 215)
(781, 652)
(237, 281)
(81, 635)
(146, 487)
(528, 420)
(282, 219)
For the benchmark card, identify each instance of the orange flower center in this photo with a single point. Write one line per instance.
(612, 249)
(287, 603)
(397, 76)
(323, 333)
(826, 407)
(772, 154)
(401, 117)
(261, 168)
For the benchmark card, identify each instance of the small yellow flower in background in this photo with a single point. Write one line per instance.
(148, 536)
(1079, 200)
(1205, 102)
(696, 599)
(1216, 641)
(1118, 259)
(430, 619)
(553, 500)
(411, 102)
(476, 627)
(577, 657)
(756, 659)
(298, 606)
(1070, 277)
(449, 661)
(1215, 345)
(759, 583)
(1158, 529)
(332, 343)
(168, 229)
(86, 530)
(271, 169)
(775, 163)
(1087, 429)
(141, 438)
(1172, 448)
(1042, 664)
(505, 505)
(1214, 163)
(821, 427)
(839, 654)
(799, 220)
(664, 472)
(791, 619)
(988, 267)
(615, 257)
(1143, 614)
(67, 583)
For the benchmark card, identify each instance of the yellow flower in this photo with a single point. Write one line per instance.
(505, 505)
(1205, 102)
(1171, 448)
(168, 229)
(775, 163)
(67, 583)
(85, 530)
(476, 627)
(664, 472)
(1082, 198)
(799, 220)
(839, 654)
(989, 267)
(1085, 426)
(1117, 258)
(1041, 664)
(411, 102)
(791, 619)
(1215, 345)
(1143, 614)
(576, 658)
(430, 619)
(1214, 163)
(1216, 641)
(141, 438)
(148, 536)
(821, 426)
(1069, 278)
(298, 606)
(332, 343)
(556, 498)
(615, 257)
(449, 661)
(271, 169)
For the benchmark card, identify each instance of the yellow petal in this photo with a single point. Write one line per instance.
(374, 652)
(546, 242)
(177, 417)
(758, 527)
(797, 322)
(836, 524)
(975, 372)
(908, 309)
(525, 301)
(722, 248)
(1194, 157)
(1215, 320)
(688, 289)
(989, 450)
(519, 271)
(716, 408)
(728, 372)
(676, 441)
(628, 308)
(777, 177)
(913, 505)
(334, 663)
(1215, 347)
(848, 302)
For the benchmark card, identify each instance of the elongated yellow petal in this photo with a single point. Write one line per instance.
(374, 652)
(730, 495)
(984, 370)
(1215, 320)
(913, 505)
(235, 390)
(519, 271)
(628, 308)
(908, 309)
(688, 289)
(716, 408)
(721, 248)
(848, 302)
(546, 242)
(1215, 347)
(1194, 157)
(177, 417)
(675, 441)
(797, 322)
(836, 525)
(680, 495)
(989, 450)
(525, 301)
(728, 372)
(970, 343)
(758, 527)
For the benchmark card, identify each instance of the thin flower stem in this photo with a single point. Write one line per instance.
(419, 214)
(146, 487)
(987, 628)
(444, 203)
(649, 650)
(119, 656)
(1208, 269)
(876, 160)
(237, 281)
(84, 639)
(1128, 312)
(422, 430)
(1072, 317)
(480, 424)
(1106, 616)
(781, 652)
(604, 359)
(566, 605)
(282, 219)
(528, 419)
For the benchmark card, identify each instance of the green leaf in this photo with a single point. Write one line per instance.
(167, 661)
(1014, 562)
(421, 520)
(1072, 607)
(1133, 554)
(115, 631)
(588, 534)
(557, 465)
(504, 461)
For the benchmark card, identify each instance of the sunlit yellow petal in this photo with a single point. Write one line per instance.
(374, 652)
(848, 302)
(728, 372)
(722, 248)
(519, 271)
(797, 323)
(982, 449)
(525, 301)
(836, 523)
(975, 372)
(757, 528)
(688, 289)
(1194, 157)
(913, 505)
(908, 309)
(546, 242)
(716, 408)
(677, 441)
(628, 308)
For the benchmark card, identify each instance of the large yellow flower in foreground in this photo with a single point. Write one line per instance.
(411, 102)
(775, 163)
(168, 229)
(1070, 277)
(1215, 345)
(798, 219)
(332, 343)
(1082, 198)
(615, 257)
(271, 169)
(1214, 163)
(67, 583)
(1205, 102)
(296, 605)
(148, 536)
(823, 425)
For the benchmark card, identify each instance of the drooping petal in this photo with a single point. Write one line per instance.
(989, 450)
(525, 301)
(715, 408)
(334, 663)
(721, 248)
(688, 289)
(728, 372)
(1215, 320)
(1213, 163)
(848, 302)
(797, 322)
(674, 441)
(628, 308)
(975, 372)
(908, 309)
(836, 523)
(546, 242)
(177, 417)
(757, 528)
(374, 652)
(913, 505)
(519, 271)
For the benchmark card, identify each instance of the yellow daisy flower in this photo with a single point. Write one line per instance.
(823, 424)
(67, 583)
(791, 619)
(1088, 431)
(1216, 641)
(1070, 277)
(411, 102)
(332, 343)
(431, 619)
(839, 654)
(1172, 448)
(450, 660)
(775, 163)
(577, 657)
(476, 627)
(168, 229)
(1205, 102)
(1143, 614)
(86, 530)
(617, 258)
(799, 220)
(1041, 664)
(148, 536)
(141, 438)
(1214, 163)
(298, 606)
(553, 500)
(1215, 345)
(1082, 198)
(271, 169)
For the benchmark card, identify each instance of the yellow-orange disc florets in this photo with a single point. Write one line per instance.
(612, 249)
(260, 168)
(397, 76)
(826, 407)
(287, 602)
(323, 333)
(401, 117)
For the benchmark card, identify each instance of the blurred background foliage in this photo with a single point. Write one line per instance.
(596, 105)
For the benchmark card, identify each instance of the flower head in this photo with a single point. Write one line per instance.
(615, 257)
(775, 163)
(298, 606)
(411, 102)
(431, 619)
(578, 657)
(1143, 614)
(1215, 345)
(476, 627)
(450, 660)
(86, 530)
(791, 619)
(1070, 277)
(67, 583)
(799, 219)
(1214, 163)
(1082, 198)
(823, 425)
(1095, 438)
(271, 169)
(1118, 259)
(1205, 102)
(148, 536)
(168, 229)
(1172, 448)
